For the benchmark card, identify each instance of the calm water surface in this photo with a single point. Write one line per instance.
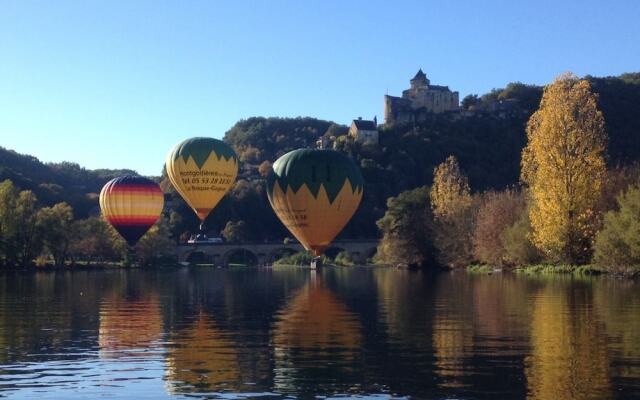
(378, 333)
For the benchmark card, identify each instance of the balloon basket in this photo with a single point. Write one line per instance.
(316, 263)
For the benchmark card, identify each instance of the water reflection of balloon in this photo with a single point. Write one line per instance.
(129, 325)
(203, 358)
(315, 193)
(131, 204)
(315, 335)
(202, 170)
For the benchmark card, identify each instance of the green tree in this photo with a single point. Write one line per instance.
(28, 241)
(518, 249)
(93, 239)
(156, 244)
(617, 245)
(407, 229)
(563, 164)
(8, 222)
(54, 224)
(236, 232)
(470, 101)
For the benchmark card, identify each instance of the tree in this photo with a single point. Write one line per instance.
(155, 244)
(452, 206)
(469, 101)
(498, 211)
(236, 232)
(19, 239)
(618, 243)
(27, 238)
(563, 164)
(264, 168)
(450, 192)
(93, 239)
(8, 222)
(54, 224)
(518, 249)
(407, 229)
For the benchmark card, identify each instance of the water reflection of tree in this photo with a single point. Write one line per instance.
(202, 358)
(43, 314)
(421, 312)
(618, 305)
(129, 325)
(453, 330)
(316, 343)
(569, 354)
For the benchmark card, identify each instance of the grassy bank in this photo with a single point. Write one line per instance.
(538, 269)
(588, 269)
(482, 269)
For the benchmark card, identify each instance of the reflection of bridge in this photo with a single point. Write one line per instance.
(266, 253)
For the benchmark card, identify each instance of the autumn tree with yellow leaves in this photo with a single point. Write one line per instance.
(452, 206)
(563, 166)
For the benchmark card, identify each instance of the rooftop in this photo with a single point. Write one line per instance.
(420, 75)
(365, 125)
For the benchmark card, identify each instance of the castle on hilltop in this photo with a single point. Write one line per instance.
(421, 98)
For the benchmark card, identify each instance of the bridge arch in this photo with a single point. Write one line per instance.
(333, 251)
(196, 257)
(240, 256)
(371, 252)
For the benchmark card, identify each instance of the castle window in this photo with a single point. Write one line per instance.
(328, 173)
(313, 173)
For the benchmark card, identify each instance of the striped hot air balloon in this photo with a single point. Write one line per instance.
(202, 170)
(315, 193)
(132, 204)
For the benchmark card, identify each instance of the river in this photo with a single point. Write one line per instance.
(276, 333)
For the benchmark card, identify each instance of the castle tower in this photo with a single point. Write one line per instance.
(388, 110)
(420, 80)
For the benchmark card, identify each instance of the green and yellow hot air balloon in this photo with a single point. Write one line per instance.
(315, 193)
(202, 170)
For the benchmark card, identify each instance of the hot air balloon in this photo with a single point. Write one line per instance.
(132, 204)
(315, 193)
(202, 170)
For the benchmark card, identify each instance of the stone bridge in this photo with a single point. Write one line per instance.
(260, 253)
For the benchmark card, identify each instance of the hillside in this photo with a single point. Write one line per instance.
(486, 141)
(56, 182)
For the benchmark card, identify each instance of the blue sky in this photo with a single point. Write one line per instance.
(114, 84)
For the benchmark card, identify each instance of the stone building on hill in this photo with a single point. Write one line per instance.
(421, 98)
(364, 131)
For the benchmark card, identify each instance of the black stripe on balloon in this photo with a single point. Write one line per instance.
(132, 233)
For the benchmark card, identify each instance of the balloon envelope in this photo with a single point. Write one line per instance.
(315, 193)
(202, 170)
(132, 204)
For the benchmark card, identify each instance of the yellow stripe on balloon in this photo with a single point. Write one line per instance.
(315, 221)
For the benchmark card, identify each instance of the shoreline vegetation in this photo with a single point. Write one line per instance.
(570, 213)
